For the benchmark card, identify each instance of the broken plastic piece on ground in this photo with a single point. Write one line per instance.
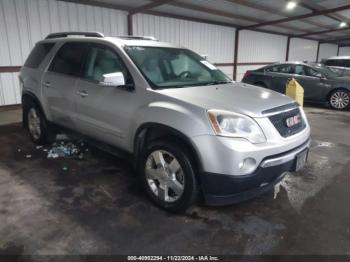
(28, 156)
(67, 150)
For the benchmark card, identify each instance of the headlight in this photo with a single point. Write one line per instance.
(231, 124)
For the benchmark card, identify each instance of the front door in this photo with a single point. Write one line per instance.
(103, 112)
(312, 82)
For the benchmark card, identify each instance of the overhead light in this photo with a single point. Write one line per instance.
(342, 24)
(291, 5)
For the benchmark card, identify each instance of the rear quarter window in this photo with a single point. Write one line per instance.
(38, 54)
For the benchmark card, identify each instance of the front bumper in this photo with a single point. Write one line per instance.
(219, 189)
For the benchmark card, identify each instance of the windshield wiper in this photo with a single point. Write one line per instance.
(218, 82)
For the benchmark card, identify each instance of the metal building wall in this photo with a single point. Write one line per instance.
(344, 50)
(213, 40)
(302, 50)
(24, 22)
(327, 50)
(259, 48)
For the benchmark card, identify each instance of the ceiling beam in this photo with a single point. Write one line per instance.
(298, 17)
(323, 32)
(316, 7)
(146, 7)
(337, 40)
(272, 10)
(217, 12)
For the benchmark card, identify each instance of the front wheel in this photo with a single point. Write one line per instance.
(168, 175)
(339, 99)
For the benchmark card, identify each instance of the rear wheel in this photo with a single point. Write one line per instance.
(339, 99)
(36, 124)
(168, 175)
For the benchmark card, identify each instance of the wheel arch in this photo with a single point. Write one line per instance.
(28, 97)
(151, 131)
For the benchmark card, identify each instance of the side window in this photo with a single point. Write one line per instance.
(102, 60)
(347, 63)
(69, 59)
(300, 70)
(285, 69)
(38, 55)
(311, 72)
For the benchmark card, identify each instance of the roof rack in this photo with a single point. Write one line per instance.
(66, 34)
(130, 37)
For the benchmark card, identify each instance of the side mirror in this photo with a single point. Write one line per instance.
(113, 79)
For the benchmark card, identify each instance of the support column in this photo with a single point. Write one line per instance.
(287, 50)
(130, 24)
(236, 55)
(318, 51)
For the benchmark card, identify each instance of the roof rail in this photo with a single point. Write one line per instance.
(66, 34)
(131, 37)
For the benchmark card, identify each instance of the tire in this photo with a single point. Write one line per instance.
(36, 124)
(339, 99)
(180, 189)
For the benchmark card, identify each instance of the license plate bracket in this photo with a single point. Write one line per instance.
(301, 159)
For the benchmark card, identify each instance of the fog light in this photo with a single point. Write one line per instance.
(248, 165)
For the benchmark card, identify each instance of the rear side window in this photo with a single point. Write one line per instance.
(332, 62)
(69, 59)
(38, 55)
(286, 69)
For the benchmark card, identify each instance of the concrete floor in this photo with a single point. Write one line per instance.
(97, 207)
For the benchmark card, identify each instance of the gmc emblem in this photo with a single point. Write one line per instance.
(292, 121)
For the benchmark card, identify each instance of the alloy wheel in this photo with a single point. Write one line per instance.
(164, 176)
(340, 100)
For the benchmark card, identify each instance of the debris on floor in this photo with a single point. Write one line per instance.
(63, 149)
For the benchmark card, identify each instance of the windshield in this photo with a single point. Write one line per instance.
(174, 67)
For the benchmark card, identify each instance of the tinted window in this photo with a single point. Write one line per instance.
(68, 59)
(300, 70)
(336, 62)
(38, 54)
(312, 72)
(102, 60)
(347, 63)
(286, 69)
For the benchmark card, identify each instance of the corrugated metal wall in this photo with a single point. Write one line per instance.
(213, 40)
(24, 22)
(327, 50)
(344, 50)
(302, 50)
(259, 47)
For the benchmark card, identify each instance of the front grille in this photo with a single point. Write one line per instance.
(280, 122)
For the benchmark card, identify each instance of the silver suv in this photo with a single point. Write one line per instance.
(193, 133)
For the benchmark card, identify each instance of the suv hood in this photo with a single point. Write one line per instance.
(236, 97)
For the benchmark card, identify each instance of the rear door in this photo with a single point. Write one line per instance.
(280, 75)
(103, 112)
(312, 82)
(58, 83)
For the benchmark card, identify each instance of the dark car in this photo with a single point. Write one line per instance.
(320, 83)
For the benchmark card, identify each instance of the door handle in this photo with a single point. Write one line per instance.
(47, 84)
(83, 93)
